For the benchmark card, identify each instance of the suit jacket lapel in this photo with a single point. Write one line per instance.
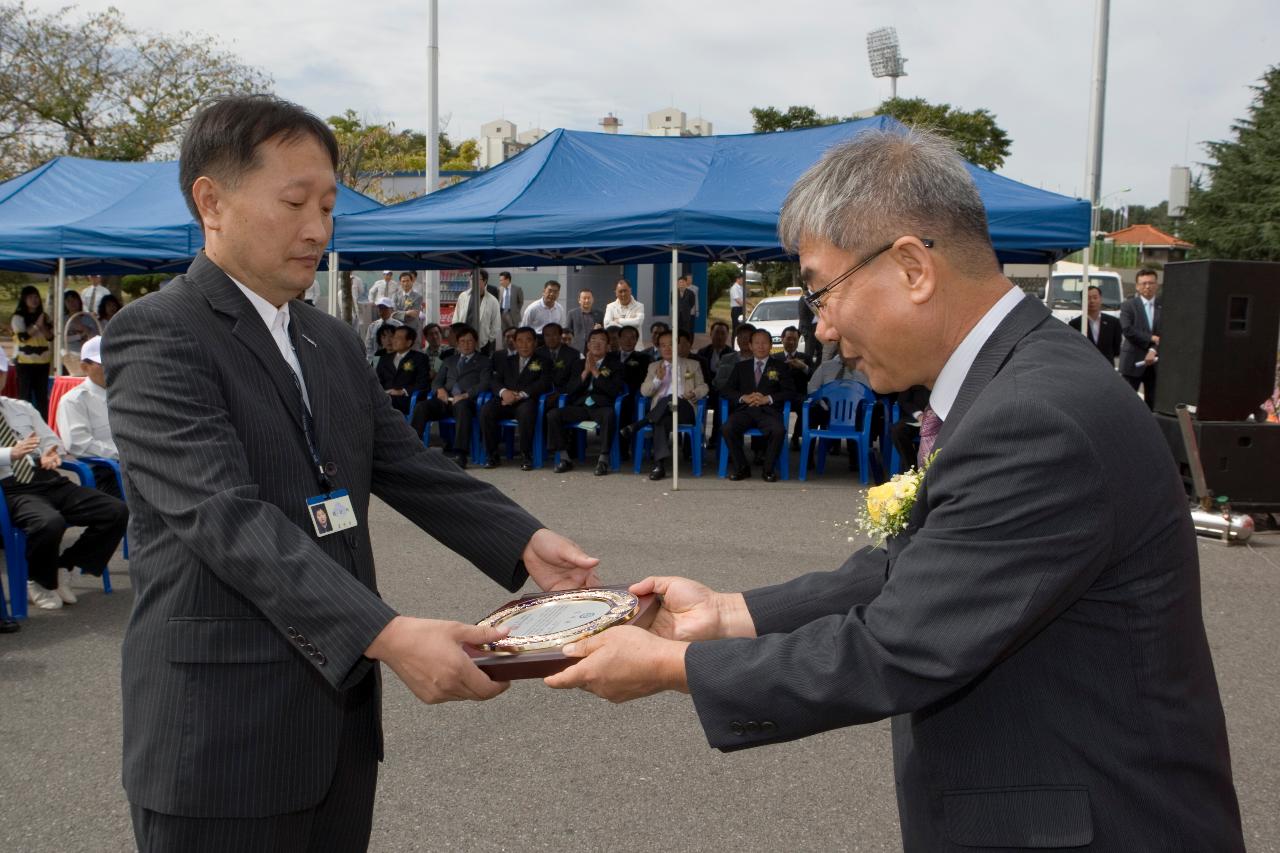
(1026, 315)
(312, 360)
(225, 298)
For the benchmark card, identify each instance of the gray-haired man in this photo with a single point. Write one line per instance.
(1035, 635)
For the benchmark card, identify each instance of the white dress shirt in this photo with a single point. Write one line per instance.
(490, 326)
(947, 387)
(537, 315)
(735, 296)
(1149, 305)
(82, 421)
(277, 321)
(23, 420)
(631, 314)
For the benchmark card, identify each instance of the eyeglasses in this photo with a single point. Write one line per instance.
(814, 299)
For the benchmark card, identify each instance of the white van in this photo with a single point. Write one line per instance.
(1062, 292)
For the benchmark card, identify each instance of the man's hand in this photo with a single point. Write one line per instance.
(428, 656)
(661, 370)
(50, 460)
(624, 663)
(555, 563)
(442, 395)
(691, 611)
(508, 397)
(23, 448)
(1155, 339)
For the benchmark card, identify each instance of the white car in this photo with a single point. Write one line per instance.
(1062, 293)
(776, 313)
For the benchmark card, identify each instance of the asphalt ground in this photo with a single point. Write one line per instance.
(538, 769)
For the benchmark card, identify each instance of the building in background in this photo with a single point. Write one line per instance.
(1154, 246)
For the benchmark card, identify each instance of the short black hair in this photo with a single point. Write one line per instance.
(720, 323)
(686, 335)
(484, 275)
(744, 327)
(764, 332)
(601, 332)
(790, 329)
(1146, 271)
(430, 326)
(633, 329)
(527, 330)
(504, 274)
(656, 325)
(551, 283)
(461, 329)
(557, 326)
(408, 330)
(223, 139)
(409, 273)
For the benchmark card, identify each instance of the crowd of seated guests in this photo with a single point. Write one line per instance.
(454, 381)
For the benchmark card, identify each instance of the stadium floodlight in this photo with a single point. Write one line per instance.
(886, 58)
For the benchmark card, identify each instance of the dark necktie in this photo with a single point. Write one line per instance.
(930, 426)
(23, 470)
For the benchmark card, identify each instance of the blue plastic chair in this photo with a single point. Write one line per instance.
(15, 546)
(580, 451)
(694, 432)
(447, 427)
(784, 455)
(509, 427)
(851, 405)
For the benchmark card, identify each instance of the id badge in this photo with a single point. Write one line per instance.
(331, 513)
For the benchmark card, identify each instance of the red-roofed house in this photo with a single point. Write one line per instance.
(1154, 246)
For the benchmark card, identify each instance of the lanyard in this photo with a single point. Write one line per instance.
(309, 426)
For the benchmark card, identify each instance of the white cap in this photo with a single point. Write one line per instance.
(386, 272)
(384, 302)
(92, 350)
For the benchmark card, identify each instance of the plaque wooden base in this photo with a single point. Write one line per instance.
(511, 666)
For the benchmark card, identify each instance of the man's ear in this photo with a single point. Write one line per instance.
(210, 200)
(918, 268)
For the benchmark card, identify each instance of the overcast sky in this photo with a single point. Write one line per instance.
(1179, 72)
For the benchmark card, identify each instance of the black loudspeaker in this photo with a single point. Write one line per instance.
(1240, 460)
(1219, 325)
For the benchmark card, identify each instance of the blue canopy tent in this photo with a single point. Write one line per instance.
(105, 217)
(585, 198)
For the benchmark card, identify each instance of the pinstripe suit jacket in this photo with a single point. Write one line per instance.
(247, 631)
(1035, 633)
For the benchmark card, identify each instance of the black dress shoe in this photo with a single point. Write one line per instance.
(770, 477)
(493, 461)
(659, 471)
(602, 468)
(8, 626)
(740, 474)
(564, 467)
(625, 433)
(526, 464)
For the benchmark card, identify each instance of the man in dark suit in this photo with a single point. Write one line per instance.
(757, 390)
(801, 364)
(1104, 330)
(1140, 327)
(635, 362)
(719, 348)
(250, 677)
(518, 381)
(463, 377)
(510, 300)
(582, 320)
(564, 358)
(404, 371)
(1034, 632)
(592, 389)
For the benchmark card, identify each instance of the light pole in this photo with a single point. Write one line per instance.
(1093, 159)
(432, 277)
(885, 56)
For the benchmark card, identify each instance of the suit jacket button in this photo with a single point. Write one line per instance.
(736, 728)
(752, 726)
(308, 648)
(320, 659)
(299, 639)
(330, 468)
(768, 726)
(291, 631)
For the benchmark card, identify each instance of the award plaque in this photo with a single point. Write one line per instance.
(539, 625)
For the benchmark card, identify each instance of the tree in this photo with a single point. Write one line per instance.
(1238, 214)
(976, 135)
(99, 88)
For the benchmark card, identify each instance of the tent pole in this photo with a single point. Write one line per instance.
(59, 338)
(333, 284)
(675, 369)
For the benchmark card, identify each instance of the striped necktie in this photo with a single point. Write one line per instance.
(930, 426)
(23, 470)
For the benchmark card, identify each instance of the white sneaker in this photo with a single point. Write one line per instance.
(64, 587)
(43, 598)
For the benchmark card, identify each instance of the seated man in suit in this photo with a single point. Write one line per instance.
(904, 432)
(801, 365)
(520, 380)
(463, 377)
(592, 389)
(635, 363)
(1104, 330)
(564, 358)
(712, 353)
(691, 387)
(656, 328)
(757, 390)
(404, 370)
(44, 504)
